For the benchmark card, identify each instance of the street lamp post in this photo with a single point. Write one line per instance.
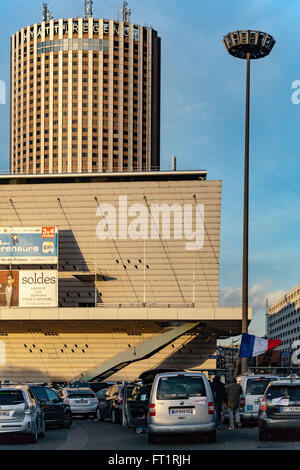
(247, 45)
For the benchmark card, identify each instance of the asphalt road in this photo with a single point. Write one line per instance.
(105, 436)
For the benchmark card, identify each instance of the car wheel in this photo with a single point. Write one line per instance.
(68, 420)
(152, 438)
(43, 431)
(97, 415)
(262, 435)
(32, 438)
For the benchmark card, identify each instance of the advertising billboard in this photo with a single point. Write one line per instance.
(28, 245)
(29, 288)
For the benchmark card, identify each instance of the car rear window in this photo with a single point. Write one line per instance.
(257, 386)
(180, 386)
(11, 397)
(81, 395)
(290, 392)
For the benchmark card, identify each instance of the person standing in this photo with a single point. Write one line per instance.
(233, 393)
(9, 294)
(219, 392)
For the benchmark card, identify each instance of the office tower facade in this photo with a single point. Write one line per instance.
(85, 97)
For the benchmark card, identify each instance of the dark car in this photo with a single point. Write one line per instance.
(95, 386)
(279, 408)
(111, 403)
(56, 410)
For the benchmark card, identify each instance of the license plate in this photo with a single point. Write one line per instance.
(82, 402)
(290, 409)
(181, 411)
(4, 413)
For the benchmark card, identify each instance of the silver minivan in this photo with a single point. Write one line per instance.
(20, 413)
(180, 403)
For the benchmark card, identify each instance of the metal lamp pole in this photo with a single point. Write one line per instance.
(247, 45)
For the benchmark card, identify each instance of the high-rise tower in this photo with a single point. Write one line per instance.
(85, 96)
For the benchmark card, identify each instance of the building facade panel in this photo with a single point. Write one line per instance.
(136, 242)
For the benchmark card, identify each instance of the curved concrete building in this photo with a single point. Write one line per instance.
(85, 97)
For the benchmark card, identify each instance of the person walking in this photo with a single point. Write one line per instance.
(233, 393)
(219, 392)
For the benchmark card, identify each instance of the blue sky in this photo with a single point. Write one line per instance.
(203, 108)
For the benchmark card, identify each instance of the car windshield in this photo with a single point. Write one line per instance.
(81, 395)
(257, 386)
(180, 386)
(11, 397)
(290, 392)
(102, 392)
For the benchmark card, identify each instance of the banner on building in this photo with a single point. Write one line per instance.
(29, 288)
(27, 245)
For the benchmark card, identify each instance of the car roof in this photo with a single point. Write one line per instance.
(244, 379)
(181, 372)
(256, 376)
(14, 387)
(79, 389)
(286, 382)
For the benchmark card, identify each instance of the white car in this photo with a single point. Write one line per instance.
(20, 413)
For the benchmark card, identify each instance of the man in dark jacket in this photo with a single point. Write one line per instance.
(233, 393)
(219, 392)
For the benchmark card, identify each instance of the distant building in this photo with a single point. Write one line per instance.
(283, 317)
(85, 97)
(126, 275)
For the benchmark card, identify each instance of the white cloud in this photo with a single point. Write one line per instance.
(258, 293)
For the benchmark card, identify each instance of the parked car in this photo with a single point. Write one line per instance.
(279, 408)
(171, 403)
(56, 410)
(181, 402)
(82, 401)
(253, 387)
(20, 413)
(95, 386)
(111, 403)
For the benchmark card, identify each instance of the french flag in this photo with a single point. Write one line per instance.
(252, 346)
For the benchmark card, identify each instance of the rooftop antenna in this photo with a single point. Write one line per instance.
(126, 12)
(88, 9)
(47, 16)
